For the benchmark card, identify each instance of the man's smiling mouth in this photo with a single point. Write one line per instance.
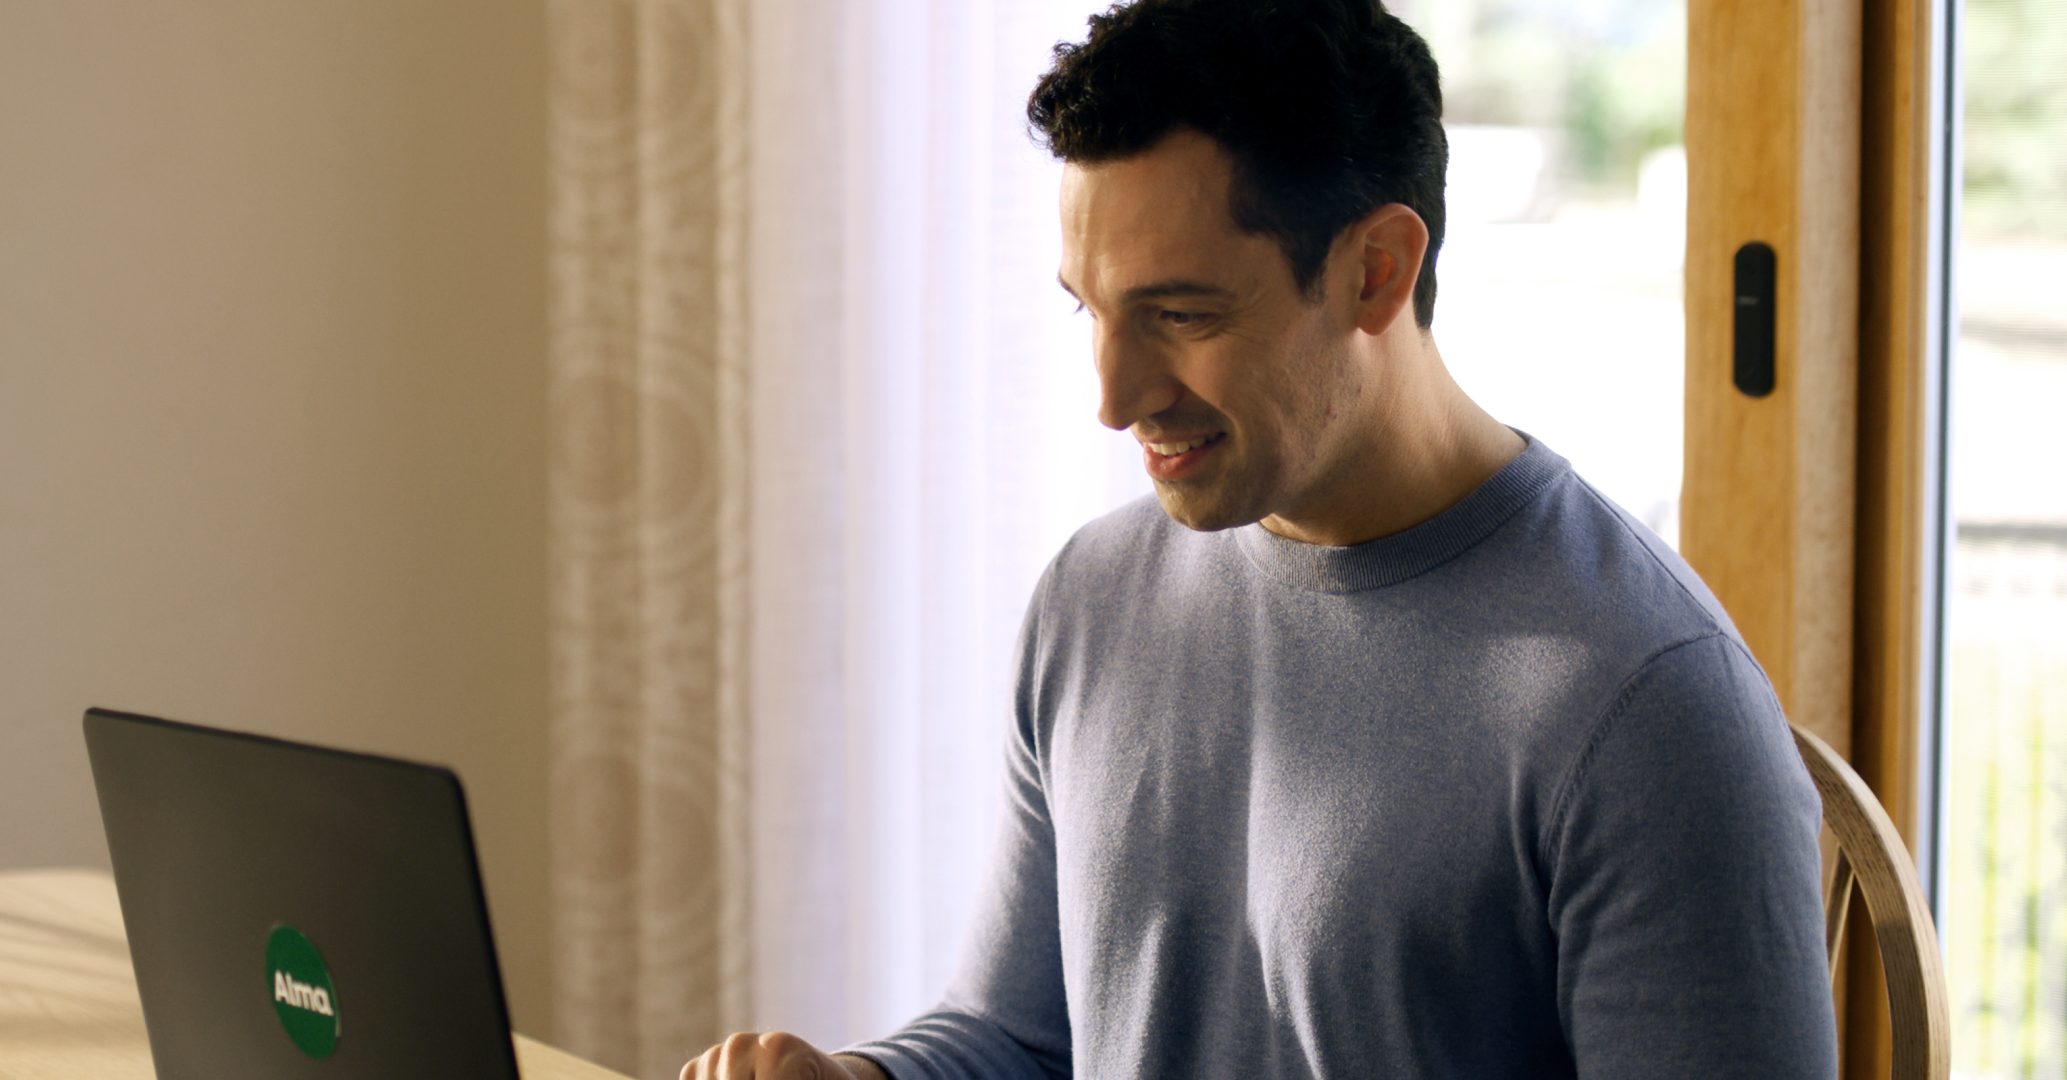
(1172, 449)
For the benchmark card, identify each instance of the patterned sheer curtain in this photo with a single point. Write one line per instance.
(819, 416)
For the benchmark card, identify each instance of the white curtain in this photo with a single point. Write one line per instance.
(820, 416)
(647, 403)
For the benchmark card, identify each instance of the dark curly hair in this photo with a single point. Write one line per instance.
(1329, 108)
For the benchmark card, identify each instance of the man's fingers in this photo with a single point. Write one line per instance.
(729, 1060)
(773, 1055)
(786, 1050)
(737, 1057)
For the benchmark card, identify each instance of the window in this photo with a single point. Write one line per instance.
(2003, 899)
(1559, 307)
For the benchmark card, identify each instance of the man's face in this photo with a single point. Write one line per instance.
(1239, 390)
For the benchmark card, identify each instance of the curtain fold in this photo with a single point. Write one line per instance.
(648, 559)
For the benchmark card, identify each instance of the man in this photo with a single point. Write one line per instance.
(1386, 746)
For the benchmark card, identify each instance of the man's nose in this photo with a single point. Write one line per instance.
(1134, 382)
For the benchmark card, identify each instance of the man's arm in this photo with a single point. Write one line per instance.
(1685, 880)
(861, 1067)
(1005, 1017)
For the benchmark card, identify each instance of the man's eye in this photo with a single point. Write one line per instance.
(1180, 318)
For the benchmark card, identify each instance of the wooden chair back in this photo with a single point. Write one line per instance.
(1870, 851)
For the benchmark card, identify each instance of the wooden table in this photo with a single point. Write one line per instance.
(68, 1005)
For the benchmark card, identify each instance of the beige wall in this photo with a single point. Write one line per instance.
(271, 399)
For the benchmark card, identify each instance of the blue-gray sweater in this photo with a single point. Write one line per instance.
(1499, 796)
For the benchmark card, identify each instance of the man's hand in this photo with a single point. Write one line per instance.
(776, 1055)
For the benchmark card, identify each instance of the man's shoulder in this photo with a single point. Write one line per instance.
(1572, 592)
(1595, 563)
(1641, 624)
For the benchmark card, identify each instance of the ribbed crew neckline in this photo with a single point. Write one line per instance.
(1389, 560)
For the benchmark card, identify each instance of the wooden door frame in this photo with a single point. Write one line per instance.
(1814, 126)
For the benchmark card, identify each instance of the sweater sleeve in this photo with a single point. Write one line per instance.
(1005, 1016)
(1684, 881)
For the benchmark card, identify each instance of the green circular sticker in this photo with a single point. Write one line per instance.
(302, 993)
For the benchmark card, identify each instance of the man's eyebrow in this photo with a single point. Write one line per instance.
(1163, 290)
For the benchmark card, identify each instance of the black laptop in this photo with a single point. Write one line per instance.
(295, 911)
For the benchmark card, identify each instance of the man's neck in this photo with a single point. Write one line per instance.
(1427, 447)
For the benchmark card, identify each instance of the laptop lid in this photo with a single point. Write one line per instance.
(295, 911)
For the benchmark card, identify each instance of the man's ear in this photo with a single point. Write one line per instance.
(1392, 240)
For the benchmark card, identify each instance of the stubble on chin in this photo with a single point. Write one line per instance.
(1203, 507)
